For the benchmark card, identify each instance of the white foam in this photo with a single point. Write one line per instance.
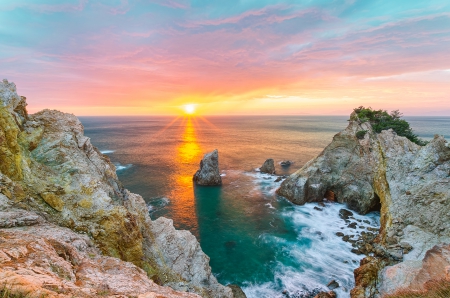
(120, 167)
(106, 151)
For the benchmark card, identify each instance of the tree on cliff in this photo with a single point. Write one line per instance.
(382, 120)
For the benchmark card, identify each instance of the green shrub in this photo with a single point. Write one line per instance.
(382, 120)
(360, 134)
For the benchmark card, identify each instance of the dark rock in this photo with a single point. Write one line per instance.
(408, 192)
(237, 291)
(317, 208)
(346, 238)
(321, 204)
(268, 167)
(366, 221)
(345, 214)
(352, 225)
(286, 163)
(340, 234)
(209, 170)
(333, 285)
(279, 179)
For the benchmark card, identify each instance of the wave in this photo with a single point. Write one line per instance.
(106, 151)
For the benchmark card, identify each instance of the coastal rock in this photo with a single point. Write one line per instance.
(329, 294)
(48, 166)
(51, 261)
(268, 167)
(237, 291)
(285, 163)
(382, 171)
(209, 174)
(414, 275)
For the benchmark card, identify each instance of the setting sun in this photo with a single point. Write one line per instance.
(189, 109)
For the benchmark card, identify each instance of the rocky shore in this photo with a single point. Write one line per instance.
(68, 226)
(407, 183)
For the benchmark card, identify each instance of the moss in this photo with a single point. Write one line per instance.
(10, 153)
(121, 237)
(85, 203)
(361, 134)
(53, 200)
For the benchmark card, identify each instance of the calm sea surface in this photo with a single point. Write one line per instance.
(254, 238)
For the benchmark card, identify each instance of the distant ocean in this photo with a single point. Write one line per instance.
(254, 238)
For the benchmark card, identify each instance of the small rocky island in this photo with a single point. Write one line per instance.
(209, 174)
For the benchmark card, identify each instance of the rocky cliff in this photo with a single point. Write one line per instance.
(50, 169)
(408, 183)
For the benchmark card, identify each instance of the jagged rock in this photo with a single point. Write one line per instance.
(345, 214)
(268, 167)
(333, 285)
(51, 261)
(237, 291)
(48, 166)
(209, 174)
(408, 183)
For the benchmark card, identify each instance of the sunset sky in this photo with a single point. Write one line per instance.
(228, 57)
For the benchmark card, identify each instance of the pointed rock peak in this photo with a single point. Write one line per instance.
(209, 174)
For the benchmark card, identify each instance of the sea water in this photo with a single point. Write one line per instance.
(254, 238)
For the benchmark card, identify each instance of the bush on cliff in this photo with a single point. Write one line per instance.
(382, 120)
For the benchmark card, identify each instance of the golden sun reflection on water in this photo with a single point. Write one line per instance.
(188, 156)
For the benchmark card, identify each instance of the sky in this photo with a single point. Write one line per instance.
(228, 57)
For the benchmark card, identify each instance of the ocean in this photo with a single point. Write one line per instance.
(254, 238)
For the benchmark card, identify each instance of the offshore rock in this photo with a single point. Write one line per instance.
(268, 167)
(408, 183)
(208, 174)
(48, 167)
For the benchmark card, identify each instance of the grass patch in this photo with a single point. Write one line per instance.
(433, 289)
(382, 120)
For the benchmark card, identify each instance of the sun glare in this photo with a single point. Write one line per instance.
(189, 109)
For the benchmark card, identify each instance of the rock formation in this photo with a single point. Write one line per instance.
(407, 182)
(49, 168)
(209, 174)
(268, 167)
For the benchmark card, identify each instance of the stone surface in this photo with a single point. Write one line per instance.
(237, 291)
(268, 167)
(406, 182)
(51, 261)
(209, 174)
(414, 275)
(49, 168)
(329, 294)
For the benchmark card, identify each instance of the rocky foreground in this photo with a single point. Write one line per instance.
(408, 183)
(69, 228)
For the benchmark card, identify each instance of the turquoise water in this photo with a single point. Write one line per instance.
(253, 237)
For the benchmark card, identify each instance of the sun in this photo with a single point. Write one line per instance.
(189, 109)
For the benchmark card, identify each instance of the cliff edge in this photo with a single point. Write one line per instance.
(51, 170)
(407, 183)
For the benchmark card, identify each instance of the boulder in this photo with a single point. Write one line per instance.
(268, 167)
(330, 294)
(285, 163)
(209, 174)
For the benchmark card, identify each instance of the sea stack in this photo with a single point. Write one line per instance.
(268, 167)
(208, 174)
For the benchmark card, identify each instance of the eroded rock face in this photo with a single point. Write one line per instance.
(209, 174)
(51, 261)
(48, 166)
(408, 182)
(268, 167)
